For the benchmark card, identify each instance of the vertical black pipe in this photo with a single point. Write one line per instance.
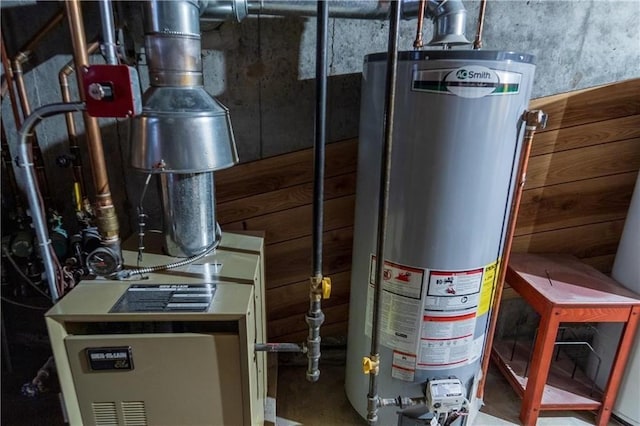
(383, 203)
(320, 135)
(315, 316)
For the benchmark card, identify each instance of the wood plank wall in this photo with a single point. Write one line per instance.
(581, 176)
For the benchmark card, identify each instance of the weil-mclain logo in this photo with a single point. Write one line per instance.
(471, 81)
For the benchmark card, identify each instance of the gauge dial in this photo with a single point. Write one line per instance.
(103, 262)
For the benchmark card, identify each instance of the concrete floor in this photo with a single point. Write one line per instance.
(324, 403)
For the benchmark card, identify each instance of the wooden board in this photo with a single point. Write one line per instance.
(283, 171)
(333, 314)
(290, 261)
(591, 240)
(337, 329)
(585, 163)
(577, 203)
(293, 298)
(590, 134)
(297, 222)
(283, 199)
(591, 105)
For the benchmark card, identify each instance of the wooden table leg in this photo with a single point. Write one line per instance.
(540, 363)
(617, 370)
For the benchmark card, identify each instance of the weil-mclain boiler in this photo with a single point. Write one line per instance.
(457, 139)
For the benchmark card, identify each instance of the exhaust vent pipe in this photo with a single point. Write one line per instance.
(183, 133)
(449, 16)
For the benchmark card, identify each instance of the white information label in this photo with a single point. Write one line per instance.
(403, 366)
(400, 305)
(446, 341)
(453, 290)
(476, 349)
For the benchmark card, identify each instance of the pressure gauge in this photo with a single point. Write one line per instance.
(103, 262)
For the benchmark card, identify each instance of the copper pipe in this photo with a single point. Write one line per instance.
(105, 211)
(477, 43)
(37, 38)
(8, 73)
(418, 43)
(74, 147)
(533, 119)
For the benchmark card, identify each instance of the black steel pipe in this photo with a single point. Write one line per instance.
(315, 316)
(383, 205)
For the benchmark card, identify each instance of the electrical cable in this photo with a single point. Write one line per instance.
(126, 273)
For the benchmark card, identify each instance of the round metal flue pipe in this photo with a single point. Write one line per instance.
(172, 43)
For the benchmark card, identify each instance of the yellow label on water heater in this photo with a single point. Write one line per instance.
(488, 286)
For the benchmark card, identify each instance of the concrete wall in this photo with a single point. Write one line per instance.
(262, 69)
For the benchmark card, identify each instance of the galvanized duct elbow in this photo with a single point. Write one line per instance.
(182, 128)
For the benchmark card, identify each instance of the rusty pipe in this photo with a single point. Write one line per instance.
(74, 147)
(418, 43)
(533, 120)
(105, 210)
(477, 43)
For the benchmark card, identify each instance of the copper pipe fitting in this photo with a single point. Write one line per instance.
(477, 43)
(105, 211)
(418, 43)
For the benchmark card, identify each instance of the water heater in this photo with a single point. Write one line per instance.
(457, 139)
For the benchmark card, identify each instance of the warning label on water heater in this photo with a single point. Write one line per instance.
(446, 341)
(400, 305)
(453, 290)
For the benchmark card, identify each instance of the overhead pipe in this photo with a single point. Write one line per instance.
(34, 197)
(449, 16)
(109, 47)
(372, 362)
(105, 210)
(533, 120)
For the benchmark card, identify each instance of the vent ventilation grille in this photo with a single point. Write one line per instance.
(105, 413)
(134, 413)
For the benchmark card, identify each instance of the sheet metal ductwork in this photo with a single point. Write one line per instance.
(183, 132)
(449, 16)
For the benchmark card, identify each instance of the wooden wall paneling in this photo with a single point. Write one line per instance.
(284, 326)
(290, 261)
(334, 329)
(293, 298)
(283, 171)
(296, 222)
(602, 263)
(282, 199)
(591, 240)
(585, 163)
(591, 105)
(616, 129)
(576, 203)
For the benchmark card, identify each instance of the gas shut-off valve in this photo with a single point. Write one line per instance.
(445, 397)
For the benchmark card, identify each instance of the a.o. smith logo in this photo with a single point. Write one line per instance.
(464, 74)
(471, 81)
